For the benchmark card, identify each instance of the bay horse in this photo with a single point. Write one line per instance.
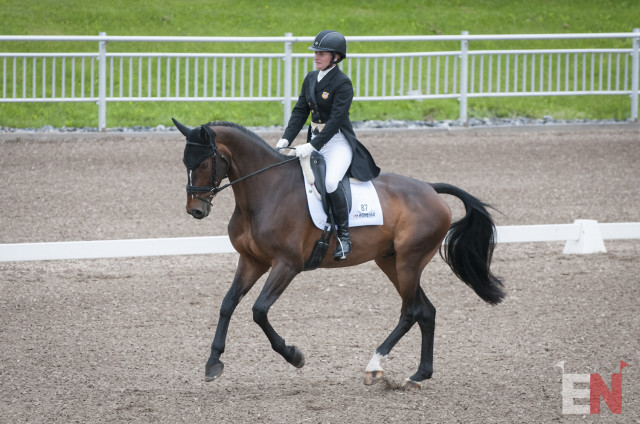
(270, 230)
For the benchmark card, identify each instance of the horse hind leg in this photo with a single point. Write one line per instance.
(422, 311)
(416, 307)
(425, 315)
(374, 371)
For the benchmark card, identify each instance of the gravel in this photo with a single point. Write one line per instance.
(126, 339)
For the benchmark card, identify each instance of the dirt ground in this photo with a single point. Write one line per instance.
(125, 340)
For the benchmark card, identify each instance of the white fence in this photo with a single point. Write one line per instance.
(104, 77)
(583, 236)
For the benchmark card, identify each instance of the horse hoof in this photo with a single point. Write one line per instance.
(371, 377)
(412, 385)
(211, 372)
(298, 358)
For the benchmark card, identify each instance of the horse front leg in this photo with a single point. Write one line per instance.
(247, 273)
(279, 278)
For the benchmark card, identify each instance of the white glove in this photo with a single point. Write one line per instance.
(304, 150)
(283, 142)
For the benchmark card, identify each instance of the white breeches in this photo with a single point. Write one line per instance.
(337, 155)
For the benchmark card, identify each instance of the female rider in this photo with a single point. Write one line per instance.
(327, 94)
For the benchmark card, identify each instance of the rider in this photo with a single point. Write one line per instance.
(327, 94)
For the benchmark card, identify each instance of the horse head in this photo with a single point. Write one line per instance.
(206, 168)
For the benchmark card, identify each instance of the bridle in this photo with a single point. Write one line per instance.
(214, 188)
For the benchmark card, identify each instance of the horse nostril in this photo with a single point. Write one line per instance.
(196, 213)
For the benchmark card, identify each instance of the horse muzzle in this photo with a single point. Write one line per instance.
(198, 208)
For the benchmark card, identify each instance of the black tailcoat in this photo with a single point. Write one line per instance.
(329, 102)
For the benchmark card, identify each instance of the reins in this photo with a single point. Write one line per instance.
(215, 190)
(218, 189)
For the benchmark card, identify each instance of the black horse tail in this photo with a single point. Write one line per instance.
(469, 246)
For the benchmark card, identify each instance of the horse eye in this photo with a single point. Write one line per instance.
(204, 165)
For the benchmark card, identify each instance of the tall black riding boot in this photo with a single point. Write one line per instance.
(341, 216)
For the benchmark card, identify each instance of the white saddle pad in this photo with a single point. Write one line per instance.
(365, 205)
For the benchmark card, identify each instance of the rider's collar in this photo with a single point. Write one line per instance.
(324, 72)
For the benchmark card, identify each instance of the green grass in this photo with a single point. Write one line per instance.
(306, 18)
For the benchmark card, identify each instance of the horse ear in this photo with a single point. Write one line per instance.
(182, 128)
(207, 133)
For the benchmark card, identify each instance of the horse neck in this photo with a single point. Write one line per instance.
(248, 155)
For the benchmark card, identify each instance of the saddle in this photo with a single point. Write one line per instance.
(315, 168)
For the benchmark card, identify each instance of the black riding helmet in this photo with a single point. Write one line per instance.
(330, 41)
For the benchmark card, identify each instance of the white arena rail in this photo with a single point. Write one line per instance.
(581, 237)
(114, 248)
(118, 75)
